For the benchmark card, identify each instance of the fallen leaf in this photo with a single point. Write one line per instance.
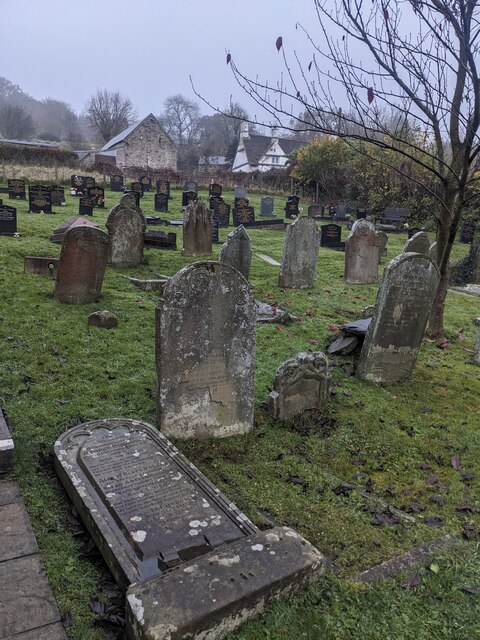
(423, 465)
(466, 507)
(432, 479)
(466, 588)
(434, 567)
(332, 327)
(278, 43)
(438, 500)
(347, 392)
(413, 581)
(414, 507)
(343, 489)
(456, 464)
(426, 410)
(467, 475)
(67, 619)
(313, 341)
(433, 521)
(280, 327)
(443, 344)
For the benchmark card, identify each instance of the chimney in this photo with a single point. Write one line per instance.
(244, 133)
(274, 131)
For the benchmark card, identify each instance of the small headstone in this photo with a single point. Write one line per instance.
(161, 202)
(291, 207)
(243, 213)
(189, 197)
(402, 308)
(206, 323)
(382, 244)
(8, 220)
(300, 253)
(361, 214)
(85, 206)
(330, 235)
(215, 189)
(222, 212)
(39, 265)
(6, 447)
(82, 264)
(146, 183)
(116, 182)
(126, 226)
(16, 189)
(57, 195)
(237, 251)
(467, 231)
(266, 206)
(315, 211)
(97, 196)
(78, 221)
(78, 185)
(361, 254)
(163, 186)
(419, 243)
(197, 229)
(191, 185)
(39, 199)
(300, 383)
(103, 320)
(240, 192)
(137, 187)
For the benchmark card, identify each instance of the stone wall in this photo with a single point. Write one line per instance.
(147, 145)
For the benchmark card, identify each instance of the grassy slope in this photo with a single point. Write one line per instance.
(55, 373)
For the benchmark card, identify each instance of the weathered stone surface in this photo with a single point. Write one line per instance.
(39, 265)
(418, 243)
(149, 285)
(402, 308)
(81, 269)
(432, 252)
(103, 320)
(126, 225)
(344, 345)
(16, 534)
(300, 383)
(9, 492)
(361, 254)
(382, 244)
(269, 313)
(6, 446)
(237, 251)
(50, 632)
(268, 259)
(146, 506)
(300, 253)
(358, 327)
(476, 357)
(197, 229)
(367, 312)
(205, 340)
(210, 597)
(59, 233)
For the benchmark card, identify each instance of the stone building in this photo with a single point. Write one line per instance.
(142, 144)
(261, 153)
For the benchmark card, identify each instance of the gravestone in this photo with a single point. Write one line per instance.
(222, 213)
(188, 197)
(146, 183)
(163, 186)
(97, 196)
(161, 202)
(81, 268)
(205, 340)
(240, 192)
(291, 207)
(16, 189)
(300, 253)
(8, 220)
(402, 308)
(215, 238)
(39, 199)
(57, 195)
(78, 185)
(197, 229)
(126, 226)
(243, 213)
(361, 254)
(191, 185)
(361, 214)
(85, 206)
(300, 383)
(89, 182)
(315, 211)
(78, 221)
(214, 201)
(215, 189)
(467, 231)
(160, 240)
(237, 251)
(116, 182)
(169, 536)
(40, 265)
(412, 231)
(3, 189)
(382, 244)
(266, 206)
(418, 243)
(137, 187)
(136, 195)
(331, 235)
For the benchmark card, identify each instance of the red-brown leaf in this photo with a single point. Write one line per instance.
(456, 464)
(278, 43)
(370, 95)
(280, 327)
(229, 57)
(313, 341)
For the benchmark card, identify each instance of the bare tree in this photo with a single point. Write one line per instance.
(109, 113)
(180, 119)
(417, 58)
(15, 122)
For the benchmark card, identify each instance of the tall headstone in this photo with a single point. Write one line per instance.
(291, 207)
(382, 243)
(163, 186)
(222, 212)
(300, 383)
(206, 323)
(300, 253)
(331, 235)
(237, 251)
(197, 229)
(81, 269)
(418, 243)
(361, 254)
(126, 226)
(402, 308)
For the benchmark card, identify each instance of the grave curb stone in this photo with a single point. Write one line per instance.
(40, 265)
(6, 446)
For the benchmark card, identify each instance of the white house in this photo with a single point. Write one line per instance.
(261, 153)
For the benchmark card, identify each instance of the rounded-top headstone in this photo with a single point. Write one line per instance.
(418, 243)
(126, 226)
(361, 254)
(300, 253)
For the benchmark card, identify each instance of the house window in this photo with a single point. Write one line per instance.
(275, 159)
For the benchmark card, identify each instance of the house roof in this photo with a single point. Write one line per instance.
(123, 135)
(32, 143)
(257, 146)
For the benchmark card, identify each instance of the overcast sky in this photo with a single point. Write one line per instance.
(67, 49)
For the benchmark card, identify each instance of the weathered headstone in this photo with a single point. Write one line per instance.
(206, 323)
(137, 187)
(59, 233)
(402, 309)
(85, 206)
(191, 185)
(197, 229)
(146, 183)
(467, 231)
(188, 197)
(126, 226)
(361, 254)
(39, 199)
(300, 383)
(330, 235)
(136, 195)
(240, 192)
(300, 253)
(97, 196)
(116, 182)
(419, 243)
(163, 186)
(215, 189)
(266, 206)
(382, 243)
(432, 252)
(411, 231)
(161, 202)
(8, 220)
(291, 207)
(16, 189)
(315, 210)
(81, 269)
(170, 536)
(57, 195)
(237, 251)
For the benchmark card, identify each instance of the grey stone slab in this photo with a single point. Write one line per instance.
(26, 600)
(16, 534)
(237, 251)
(268, 259)
(6, 446)
(358, 327)
(126, 225)
(344, 344)
(49, 632)
(361, 254)
(269, 313)
(40, 265)
(300, 254)
(146, 506)
(418, 243)
(211, 596)
(9, 492)
(197, 229)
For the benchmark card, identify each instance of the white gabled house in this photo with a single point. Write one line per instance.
(262, 153)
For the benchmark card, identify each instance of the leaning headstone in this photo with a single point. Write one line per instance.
(300, 253)
(82, 264)
(126, 226)
(16, 189)
(300, 383)
(419, 243)
(382, 243)
(197, 229)
(266, 206)
(169, 536)
(361, 254)
(8, 220)
(206, 323)
(237, 251)
(402, 309)
(59, 233)
(116, 182)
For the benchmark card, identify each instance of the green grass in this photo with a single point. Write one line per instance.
(55, 372)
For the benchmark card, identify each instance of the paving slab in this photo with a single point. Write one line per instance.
(16, 534)
(6, 446)
(9, 492)
(49, 632)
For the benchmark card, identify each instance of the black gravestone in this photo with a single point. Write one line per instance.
(89, 182)
(137, 187)
(222, 213)
(116, 182)
(1, 201)
(331, 235)
(16, 189)
(161, 240)
(39, 199)
(190, 185)
(240, 192)
(215, 226)
(467, 232)
(188, 196)
(361, 214)
(243, 215)
(215, 189)
(8, 220)
(315, 211)
(291, 207)
(58, 195)
(161, 202)
(78, 185)
(146, 183)
(3, 189)
(85, 206)
(97, 195)
(163, 186)
(266, 206)
(214, 201)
